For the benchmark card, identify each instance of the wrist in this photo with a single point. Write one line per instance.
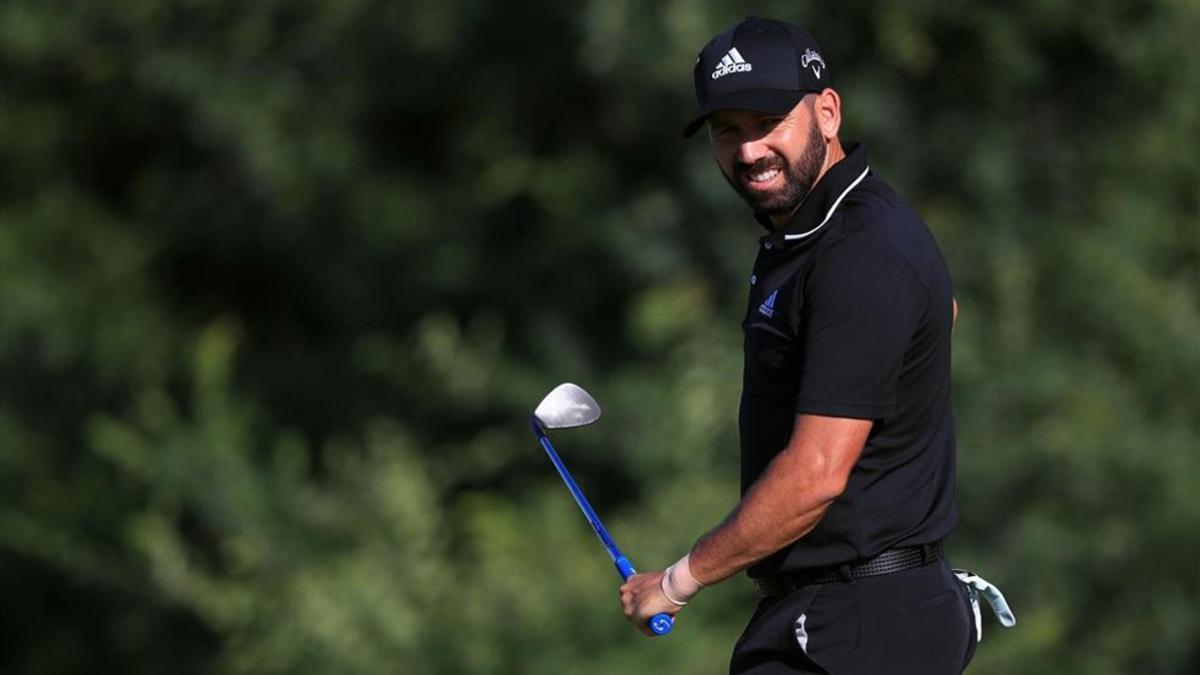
(678, 583)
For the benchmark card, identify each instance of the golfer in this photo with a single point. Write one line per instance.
(847, 432)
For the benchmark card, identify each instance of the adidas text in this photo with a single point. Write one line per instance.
(735, 68)
(732, 62)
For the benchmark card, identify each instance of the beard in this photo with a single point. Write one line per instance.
(798, 177)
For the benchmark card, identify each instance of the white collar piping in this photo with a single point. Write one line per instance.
(829, 214)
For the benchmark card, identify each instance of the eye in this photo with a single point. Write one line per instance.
(721, 130)
(769, 123)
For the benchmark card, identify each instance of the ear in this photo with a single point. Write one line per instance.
(827, 108)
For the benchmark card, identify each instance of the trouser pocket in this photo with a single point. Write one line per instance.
(826, 631)
(923, 636)
(794, 634)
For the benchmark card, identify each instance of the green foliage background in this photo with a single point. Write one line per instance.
(281, 281)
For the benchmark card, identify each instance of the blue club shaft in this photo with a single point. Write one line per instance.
(660, 624)
(581, 500)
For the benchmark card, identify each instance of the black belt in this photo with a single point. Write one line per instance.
(891, 560)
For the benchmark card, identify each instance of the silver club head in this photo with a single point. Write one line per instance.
(568, 405)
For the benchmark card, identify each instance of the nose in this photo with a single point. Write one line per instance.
(751, 150)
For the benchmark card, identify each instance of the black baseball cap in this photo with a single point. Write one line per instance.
(759, 64)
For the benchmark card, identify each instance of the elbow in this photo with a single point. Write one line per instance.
(830, 488)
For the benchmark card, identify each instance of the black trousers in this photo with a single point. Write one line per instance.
(918, 621)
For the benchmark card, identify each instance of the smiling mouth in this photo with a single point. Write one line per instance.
(760, 179)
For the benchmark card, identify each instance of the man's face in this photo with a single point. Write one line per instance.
(771, 160)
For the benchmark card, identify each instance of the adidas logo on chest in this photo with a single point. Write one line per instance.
(767, 309)
(732, 62)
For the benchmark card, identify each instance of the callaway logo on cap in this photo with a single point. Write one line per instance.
(811, 59)
(759, 64)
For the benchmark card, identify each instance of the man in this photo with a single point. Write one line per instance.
(847, 433)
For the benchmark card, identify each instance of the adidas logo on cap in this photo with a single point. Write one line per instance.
(732, 62)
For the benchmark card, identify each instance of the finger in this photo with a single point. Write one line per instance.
(629, 607)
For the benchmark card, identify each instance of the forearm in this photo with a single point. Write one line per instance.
(785, 504)
(787, 501)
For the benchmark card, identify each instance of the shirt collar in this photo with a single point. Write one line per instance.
(819, 206)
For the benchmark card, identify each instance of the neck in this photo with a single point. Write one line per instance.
(833, 154)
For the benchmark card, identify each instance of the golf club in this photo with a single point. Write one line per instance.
(568, 406)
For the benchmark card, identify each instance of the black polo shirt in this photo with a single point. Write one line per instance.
(850, 316)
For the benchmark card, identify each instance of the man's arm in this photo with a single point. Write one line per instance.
(783, 505)
(787, 501)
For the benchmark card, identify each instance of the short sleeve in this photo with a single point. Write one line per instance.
(863, 304)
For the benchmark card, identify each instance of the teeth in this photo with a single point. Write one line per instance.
(764, 176)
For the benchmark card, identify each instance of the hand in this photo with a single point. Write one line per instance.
(642, 598)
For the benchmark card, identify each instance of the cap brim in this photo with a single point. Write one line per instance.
(775, 101)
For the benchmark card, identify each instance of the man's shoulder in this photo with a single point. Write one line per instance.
(874, 217)
(875, 207)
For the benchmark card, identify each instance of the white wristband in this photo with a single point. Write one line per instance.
(678, 584)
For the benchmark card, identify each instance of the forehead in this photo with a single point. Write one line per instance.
(737, 116)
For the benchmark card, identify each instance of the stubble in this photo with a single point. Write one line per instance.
(799, 178)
